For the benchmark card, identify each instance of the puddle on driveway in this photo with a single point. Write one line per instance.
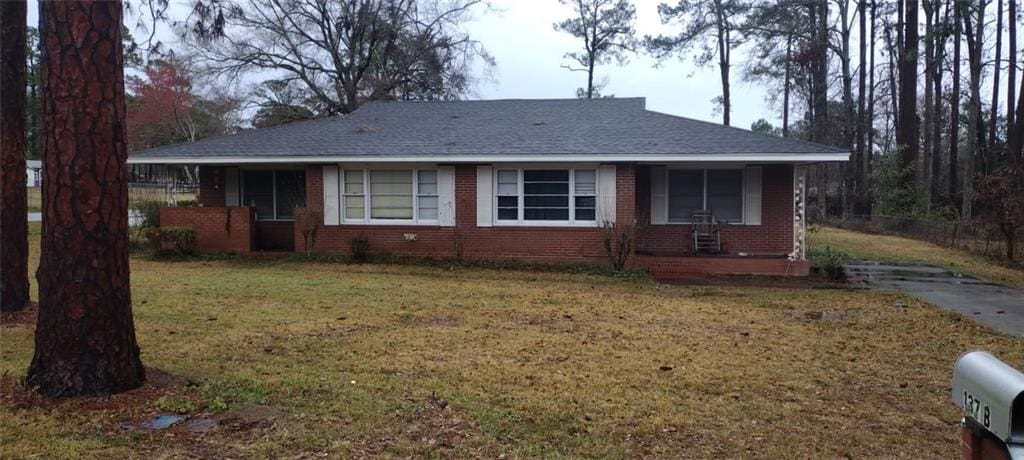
(997, 306)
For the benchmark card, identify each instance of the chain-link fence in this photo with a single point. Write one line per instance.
(169, 193)
(975, 237)
(138, 193)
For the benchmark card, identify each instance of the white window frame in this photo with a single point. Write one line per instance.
(368, 212)
(704, 191)
(273, 188)
(521, 201)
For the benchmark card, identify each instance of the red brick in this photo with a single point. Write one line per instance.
(549, 244)
(217, 229)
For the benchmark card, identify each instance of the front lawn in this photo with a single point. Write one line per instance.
(890, 248)
(371, 360)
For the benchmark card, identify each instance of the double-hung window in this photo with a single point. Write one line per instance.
(274, 194)
(390, 195)
(717, 190)
(546, 196)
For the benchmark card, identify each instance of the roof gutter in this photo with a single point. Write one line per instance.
(641, 158)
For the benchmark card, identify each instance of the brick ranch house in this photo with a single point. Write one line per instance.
(532, 180)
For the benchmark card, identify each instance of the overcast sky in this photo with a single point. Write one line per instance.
(529, 54)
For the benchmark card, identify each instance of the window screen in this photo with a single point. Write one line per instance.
(508, 195)
(586, 194)
(427, 194)
(685, 193)
(291, 192)
(391, 194)
(258, 192)
(725, 194)
(355, 204)
(545, 194)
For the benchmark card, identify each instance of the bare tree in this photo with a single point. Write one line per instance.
(606, 28)
(85, 336)
(14, 291)
(348, 52)
(711, 25)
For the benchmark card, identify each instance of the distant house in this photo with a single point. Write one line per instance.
(532, 180)
(34, 173)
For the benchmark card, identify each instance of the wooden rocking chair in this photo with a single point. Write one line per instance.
(706, 237)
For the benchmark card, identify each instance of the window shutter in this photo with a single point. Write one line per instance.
(659, 195)
(752, 196)
(606, 193)
(484, 196)
(332, 208)
(231, 195)
(446, 196)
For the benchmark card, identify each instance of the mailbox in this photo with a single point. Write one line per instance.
(991, 393)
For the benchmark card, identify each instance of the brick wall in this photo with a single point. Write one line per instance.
(773, 236)
(218, 229)
(978, 444)
(625, 194)
(211, 185)
(533, 244)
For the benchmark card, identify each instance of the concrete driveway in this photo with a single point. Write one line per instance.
(994, 305)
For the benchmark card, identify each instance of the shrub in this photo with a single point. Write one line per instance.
(311, 224)
(172, 240)
(829, 261)
(189, 204)
(619, 241)
(360, 247)
(148, 212)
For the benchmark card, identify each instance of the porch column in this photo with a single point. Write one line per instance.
(799, 213)
(625, 194)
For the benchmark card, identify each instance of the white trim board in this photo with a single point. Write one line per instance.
(568, 158)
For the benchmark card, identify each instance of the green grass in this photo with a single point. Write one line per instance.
(888, 248)
(359, 357)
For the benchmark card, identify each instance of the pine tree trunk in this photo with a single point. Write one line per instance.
(939, 45)
(924, 167)
(786, 85)
(976, 128)
(954, 113)
(1011, 73)
(858, 167)
(821, 73)
(14, 290)
(869, 201)
(908, 139)
(85, 336)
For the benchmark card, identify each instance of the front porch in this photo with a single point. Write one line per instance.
(681, 266)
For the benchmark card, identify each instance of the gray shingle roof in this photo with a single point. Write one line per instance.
(620, 126)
